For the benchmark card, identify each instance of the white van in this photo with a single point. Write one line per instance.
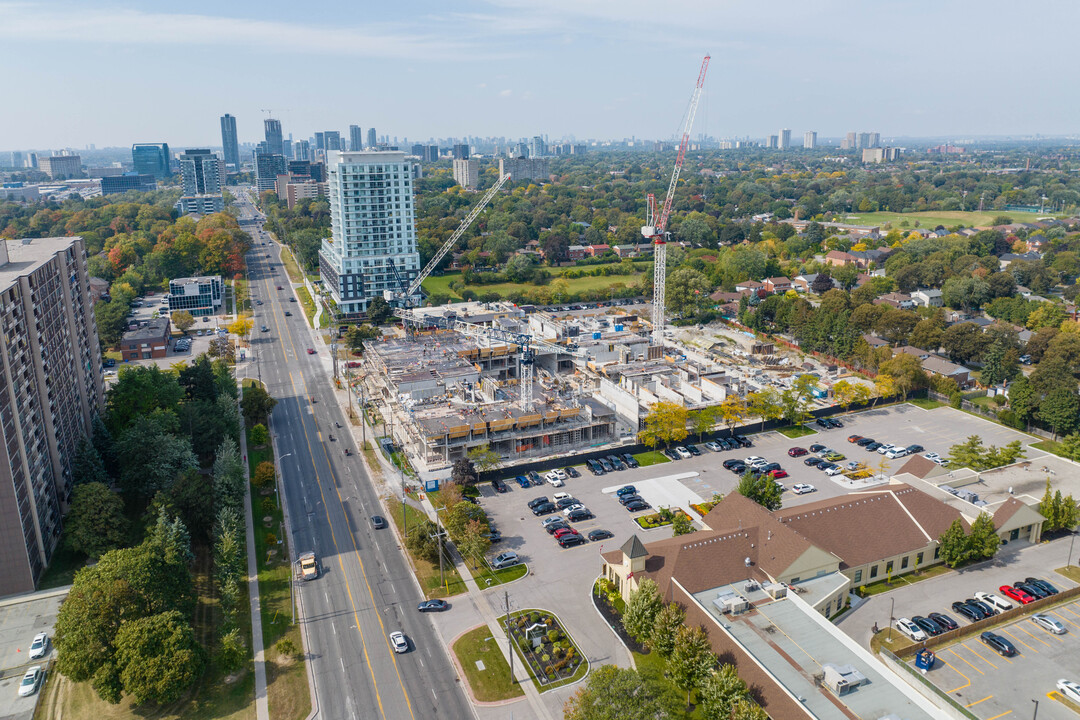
(896, 452)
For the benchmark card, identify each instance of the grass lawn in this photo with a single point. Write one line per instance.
(427, 572)
(304, 297)
(372, 460)
(926, 403)
(486, 577)
(286, 678)
(441, 284)
(654, 457)
(582, 669)
(796, 431)
(903, 580)
(1072, 572)
(933, 218)
(493, 683)
(291, 268)
(1050, 446)
(61, 571)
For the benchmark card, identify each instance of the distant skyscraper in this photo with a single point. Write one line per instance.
(201, 174)
(467, 172)
(151, 159)
(809, 140)
(356, 138)
(17, 160)
(785, 139)
(862, 141)
(267, 167)
(320, 141)
(301, 150)
(332, 138)
(537, 147)
(61, 167)
(286, 145)
(371, 141)
(874, 140)
(849, 142)
(772, 141)
(461, 151)
(525, 169)
(272, 129)
(230, 146)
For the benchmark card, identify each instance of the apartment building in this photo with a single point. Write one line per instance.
(51, 388)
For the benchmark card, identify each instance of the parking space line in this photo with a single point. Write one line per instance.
(978, 701)
(1007, 712)
(1069, 610)
(961, 657)
(980, 656)
(1024, 629)
(1063, 618)
(966, 678)
(1020, 641)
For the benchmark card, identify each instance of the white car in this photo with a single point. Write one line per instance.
(1069, 689)
(558, 474)
(572, 508)
(995, 601)
(714, 447)
(896, 452)
(802, 488)
(935, 458)
(910, 629)
(834, 470)
(560, 496)
(553, 481)
(755, 461)
(885, 448)
(39, 646)
(398, 641)
(1049, 624)
(683, 453)
(825, 451)
(31, 681)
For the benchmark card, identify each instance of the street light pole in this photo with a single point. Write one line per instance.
(1036, 713)
(1072, 539)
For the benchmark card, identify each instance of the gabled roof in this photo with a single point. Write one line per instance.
(918, 466)
(1016, 511)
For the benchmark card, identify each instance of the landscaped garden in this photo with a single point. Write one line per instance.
(549, 653)
(660, 518)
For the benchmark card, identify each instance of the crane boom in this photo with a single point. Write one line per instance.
(666, 213)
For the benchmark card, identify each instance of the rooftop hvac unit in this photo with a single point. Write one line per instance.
(730, 603)
(776, 590)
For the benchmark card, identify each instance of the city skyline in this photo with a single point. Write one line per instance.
(501, 69)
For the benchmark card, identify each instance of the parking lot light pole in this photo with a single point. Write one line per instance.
(1036, 713)
(1072, 539)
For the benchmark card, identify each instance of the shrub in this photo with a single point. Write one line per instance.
(545, 658)
(271, 539)
(552, 635)
(524, 645)
(286, 647)
(233, 653)
(267, 505)
(534, 617)
(264, 475)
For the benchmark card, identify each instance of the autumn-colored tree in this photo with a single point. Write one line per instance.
(241, 327)
(264, 475)
(665, 424)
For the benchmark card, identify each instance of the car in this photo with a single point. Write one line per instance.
(616, 462)
(856, 439)
(499, 485)
(834, 422)
(200, 332)
(943, 620)
(738, 468)
(755, 461)
(834, 470)
(522, 481)
(714, 446)
(693, 450)
(279, 287)
(670, 454)
(825, 466)
(1047, 623)
(823, 424)
(572, 472)
(626, 490)
(544, 509)
(288, 314)
(853, 465)
(743, 441)
(817, 447)
(915, 449)
(885, 448)
(626, 499)
(261, 329)
(777, 474)
(873, 447)
(31, 681)
(493, 537)
(559, 496)
(594, 467)
(910, 629)
(731, 462)
(579, 515)
(1069, 689)
(206, 319)
(109, 373)
(436, 605)
(563, 503)
(812, 461)
(896, 452)
(987, 610)
(995, 601)
(534, 478)
(551, 520)
(1019, 595)
(556, 526)
(504, 560)
(292, 299)
(999, 644)
(728, 443)
(967, 611)
(595, 535)
(563, 532)
(538, 501)
(802, 488)
(637, 506)
(796, 452)
(571, 508)
(929, 626)
(39, 646)
(1037, 582)
(398, 642)
(834, 456)
(605, 464)
(378, 522)
(554, 481)
(1035, 590)
(556, 473)
(864, 441)
(567, 541)
(683, 453)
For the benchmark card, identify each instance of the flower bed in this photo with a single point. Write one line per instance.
(546, 649)
(658, 519)
(703, 509)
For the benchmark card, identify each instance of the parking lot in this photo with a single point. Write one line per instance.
(993, 686)
(20, 620)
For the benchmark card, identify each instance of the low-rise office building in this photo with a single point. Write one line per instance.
(197, 295)
(149, 341)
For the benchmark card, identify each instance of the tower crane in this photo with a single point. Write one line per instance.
(403, 296)
(655, 229)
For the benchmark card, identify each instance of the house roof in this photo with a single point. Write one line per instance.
(864, 527)
(633, 548)
(918, 466)
(780, 280)
(1017, 511)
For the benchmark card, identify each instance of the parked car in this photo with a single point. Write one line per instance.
(1034, 590)
(398, 641)
(523, 481)
(823, 424)
(731, 462)
(834, 470)
(571, 472)
(817, 447)
(594, 467)
(556, 526)
(630, 460)
(683, 453)
(743, 441)
(995, 601)
(563, 532)
(31, 681)
(738, 468)
(910, 629)
(580, 514)
(571, 508)
(499, 485)
(755, 461)
(1068, 688)
(39, 646)
(968, 612)
(538, 501)
(812, 461)
(834, 422)
(693, 450)
(567, 541)
(834, 456)
(988, 610)
(928, 626)
(556, 475)
(626, 490)
(896, 452)
(885, 448)
(599, 535)
(544, 509)
(863, 442)
(999, 644)
(873, 447)
(563, 503)
(615, 462)
(1019, 595)
(637, 506)
(796, 452)
(943, 620)
(670, 454)
(534, 478)
(802, 488)
(1039, 582)
(504, 560)
(625, 500)
(554, 481)
(436, 605)
(713, 446)
(605, 464)
(914, 449)
(855, 439)
(1046, 622)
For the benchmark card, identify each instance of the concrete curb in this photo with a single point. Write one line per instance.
(37, 595)
(461, 672)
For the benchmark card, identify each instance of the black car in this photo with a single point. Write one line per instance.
(693, 450)
(1037, 591)
(670, 454)
(823, 424)
(637, 506)
(931, 627)
(616, 462)
(812, 461)
(863, 442)
(606, 465)
(731, 462)
(538, 501)
(435, 605)
(768, 468)
(499, 485)
(972, 614)
(913, 449)
(378, 522)
(534, 478)
(572, 472)
(833, 422)
(738, 468)
(579, 515)
(544, 509)
(816, 448)
(630, 460)
(946, 622)
(555, 527)
(999, 644)
(571, 540)
(599, 535)
(564, 503)
(872, 447)
(494, 536)
(627, 499)
(1042, 584)
(823, 466)
(986, 608)
(743, 441)
(594, 467)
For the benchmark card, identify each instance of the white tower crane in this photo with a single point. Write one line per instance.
(656, 230)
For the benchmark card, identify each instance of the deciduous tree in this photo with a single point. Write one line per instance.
(182, 320)
(665, 627)
(95, 523)
(720, 692)
(665, 424)
(642, 608)
(763, 490)
(691, 659)
(614, 693)
(158, 657)
(954, 546)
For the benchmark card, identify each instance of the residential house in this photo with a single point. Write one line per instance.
(1006, 259)
(874, 341)
(864, 258)
(802, 283)
(1037, 243)
(937, 365)
(625, 251)
(776, 285)
(839, 258)
(149, 341)
(896, 300)
(927, 297)
(750, 286)
(596, 250)
(576, 252)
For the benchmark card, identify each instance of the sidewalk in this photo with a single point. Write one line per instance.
(262, 710)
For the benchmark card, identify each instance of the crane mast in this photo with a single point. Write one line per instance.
(656, 233)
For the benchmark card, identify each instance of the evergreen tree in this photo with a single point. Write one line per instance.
(983, 540)
(955, 548)
(641, 610)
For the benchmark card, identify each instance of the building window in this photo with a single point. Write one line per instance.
(873, 572)
(918, 560)
(858, 576)
(888, 567)
(903, 562)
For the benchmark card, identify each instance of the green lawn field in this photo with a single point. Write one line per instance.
(933, 218)
(441, 284)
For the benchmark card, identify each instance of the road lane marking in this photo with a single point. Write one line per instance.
(1020, 641)
(980, 656)
(1063, 618)
(1027, 632)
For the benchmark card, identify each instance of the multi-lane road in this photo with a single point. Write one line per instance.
(365, 590)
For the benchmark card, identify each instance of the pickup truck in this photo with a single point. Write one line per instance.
(309, 566)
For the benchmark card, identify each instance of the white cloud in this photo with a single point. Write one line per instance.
(506, 93)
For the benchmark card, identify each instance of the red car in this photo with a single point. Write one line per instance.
(854, 438)
(777, 474)
(796, 452)
(564, 532)
(1016, 594)
(310, 351)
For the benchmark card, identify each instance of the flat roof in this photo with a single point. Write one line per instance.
(153, 330)
(28, 254)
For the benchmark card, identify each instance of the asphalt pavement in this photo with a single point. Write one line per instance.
(366, 589)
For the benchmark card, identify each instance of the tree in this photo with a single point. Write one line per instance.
(954, 546)
(151, 454)
(720, 692)
(665, 627)
(885, 385)
(614, 693)
(241, 327)
(747, 709)
(1060, 512)
(259, 435)
(379, 311)
(681, 524)
(691, 659)
(927, 333)
(703, 420)
(1060, 409)
(158, 657)
(264, 475)
(733, 411)
(95, 523)
(983, 539)
(641, 610)
(765, 405)
(483, 458)
(170, 537)
(463, 472)
(256, 404)
(967, 454)
(964, 342)
(821, 284)
(665, 424)
(474, 541)
(87, 465)
(795, 401)
(687, 291)
(847, 393)
(357, 334)
(182, 320)
(763, 490)
(421, 541)
(137, 392)
(895, 325)
(906, 372)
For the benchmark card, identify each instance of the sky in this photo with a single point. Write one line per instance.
(77, 72)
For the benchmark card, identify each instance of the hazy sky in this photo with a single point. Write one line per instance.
(113, 73)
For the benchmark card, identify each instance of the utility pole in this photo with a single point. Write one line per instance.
(439, 533)
(509, 636)
(404, 517)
